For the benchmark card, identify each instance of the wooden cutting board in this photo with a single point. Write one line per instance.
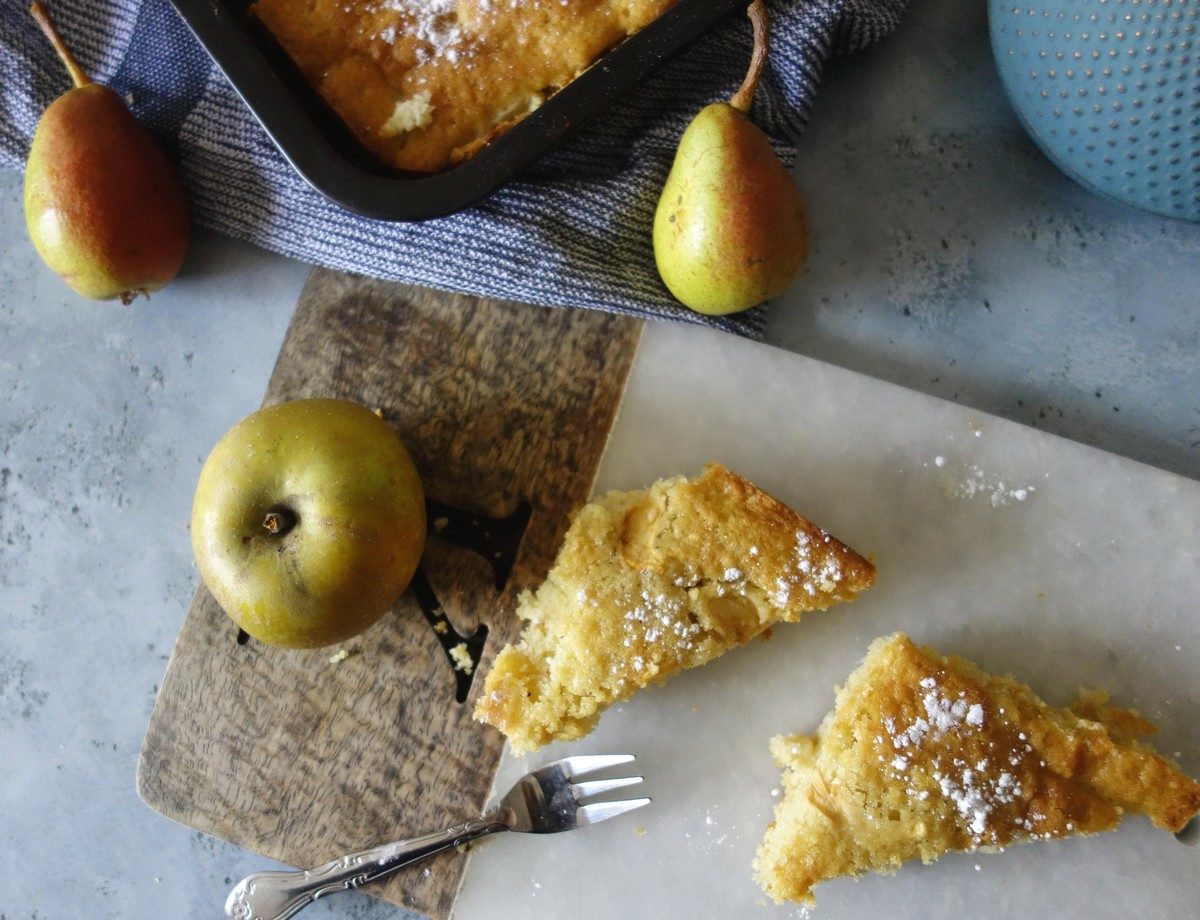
(301, 757)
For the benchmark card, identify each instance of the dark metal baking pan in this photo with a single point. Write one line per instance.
(325, 153)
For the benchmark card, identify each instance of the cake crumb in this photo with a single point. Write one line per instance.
(462, 658)
(340, 655)
(441, 628)
(440, 524)
(409, 114)
(640, 830)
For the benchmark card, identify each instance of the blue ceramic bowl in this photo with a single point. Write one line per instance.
(1110, 90)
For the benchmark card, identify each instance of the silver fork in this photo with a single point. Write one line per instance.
(544, 801)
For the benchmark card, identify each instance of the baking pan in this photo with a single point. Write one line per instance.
(325, 153)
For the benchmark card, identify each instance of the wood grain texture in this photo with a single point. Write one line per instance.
(301, 759)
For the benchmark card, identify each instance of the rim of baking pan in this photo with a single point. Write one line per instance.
(321, 149)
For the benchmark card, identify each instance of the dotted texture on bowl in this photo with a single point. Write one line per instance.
(1110, 90)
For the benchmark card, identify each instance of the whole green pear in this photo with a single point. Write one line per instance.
(730, 230)
(104, 207)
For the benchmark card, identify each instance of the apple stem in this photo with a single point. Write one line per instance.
(279, 521)
(42, 17)
(758, 19)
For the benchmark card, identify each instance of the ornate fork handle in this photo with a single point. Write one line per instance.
(279, 895)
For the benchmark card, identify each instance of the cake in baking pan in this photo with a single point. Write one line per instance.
(425, 84)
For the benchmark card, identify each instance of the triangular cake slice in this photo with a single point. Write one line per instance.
(925, 754)
(650, 582)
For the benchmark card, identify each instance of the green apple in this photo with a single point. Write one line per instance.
(308, 522)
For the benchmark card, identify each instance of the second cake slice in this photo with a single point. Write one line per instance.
(650, 582)
(926, 754)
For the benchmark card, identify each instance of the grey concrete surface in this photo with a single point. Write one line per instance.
(948, 256)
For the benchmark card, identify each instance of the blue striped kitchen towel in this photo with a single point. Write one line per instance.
(571, 230)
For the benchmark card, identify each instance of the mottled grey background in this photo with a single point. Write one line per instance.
(949, 256)
(952, 257)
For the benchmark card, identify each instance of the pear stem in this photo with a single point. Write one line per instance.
(279, 521)
(758, 19)
(42, 17)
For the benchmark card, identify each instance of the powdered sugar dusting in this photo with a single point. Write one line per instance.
(655, 619)
(448, 29)
(974, 789)
(805, 574)
(712, 835)
(434, 23)
(997, 491)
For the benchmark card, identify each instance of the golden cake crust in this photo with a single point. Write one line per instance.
(925, 754)
(650, 582)
(460, 71)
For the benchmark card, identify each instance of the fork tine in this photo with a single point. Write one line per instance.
(602, 811)
(588, 763)
(599, 786)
